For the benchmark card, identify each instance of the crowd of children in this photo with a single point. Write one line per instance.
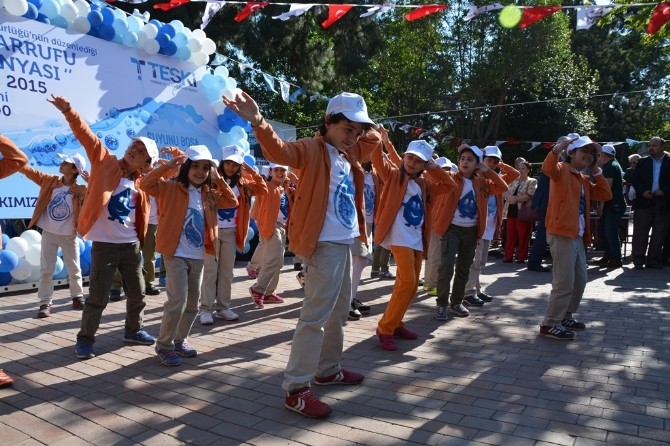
(343, 198)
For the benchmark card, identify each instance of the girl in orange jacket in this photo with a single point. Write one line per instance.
(273, 210)
(233, 224)
(187, 230)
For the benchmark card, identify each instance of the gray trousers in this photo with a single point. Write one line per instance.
(458, 250)
(319, 335)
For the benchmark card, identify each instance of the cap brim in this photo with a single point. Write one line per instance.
(358, 117)
(420, 155)
(235, 159)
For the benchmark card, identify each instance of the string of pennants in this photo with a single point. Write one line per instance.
(510, 16)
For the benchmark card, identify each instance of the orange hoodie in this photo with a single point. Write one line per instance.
(13, 158)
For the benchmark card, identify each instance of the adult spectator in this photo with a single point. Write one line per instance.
(519, 193)
(540, 202)
(651, 180)
(628, 189)
(611, 211)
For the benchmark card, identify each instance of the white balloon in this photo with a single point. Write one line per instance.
(194, 45)
(150, 30)
(81, 24)
(221, 71)
(142, 39)
(69, 11)
(228, 93)
(208, 46)
(31, 236)
(34, 274)
(22, 271)
(218, 106)
(198, 34)
(244, 144)
(199, 59)
(151, 46)
(18, 246)
(16, 7)
(231, 84)
(134, 23)
(33, 255)
(83, 7)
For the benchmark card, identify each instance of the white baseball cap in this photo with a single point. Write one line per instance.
(476, 150)
(150, 145)
(273, 165)
(350, 105)
(444, 163)
(421, 149)
(201, 153)
(76, 159)
(580, 142)
(609, 149)
(233, 153)
(493, 152)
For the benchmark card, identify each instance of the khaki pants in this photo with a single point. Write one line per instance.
(478, 263)
(272, 261)
(217, 280)
(50, 244)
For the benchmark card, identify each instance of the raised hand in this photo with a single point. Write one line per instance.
(60, 102)
(245, 106)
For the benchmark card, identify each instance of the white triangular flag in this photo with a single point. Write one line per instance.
(377, 10)
(269, 82)
(285, 89)
(534, 144)
(211, 9)
(295, 11)
(474, 11)
(587, 16)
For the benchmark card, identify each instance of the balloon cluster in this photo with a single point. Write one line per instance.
(233, 128)
(170, 39)
(20, 258)
(253, 229)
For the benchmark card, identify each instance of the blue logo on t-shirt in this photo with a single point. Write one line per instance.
(194, 228)
(493, 205)
(467, 205)
(227, 214)
(369, 196)
(345, 210)
(283, 205)
(413, 212)
(119, 206)
(58, 208)
(582, 205)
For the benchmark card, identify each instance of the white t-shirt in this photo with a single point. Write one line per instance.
(407, 228)
(192, 239)
(58, 217)
(369, 195)
(582, 213)
(466, 211)
(341, 222)
(228, 217)
(153, 211)
(116, 223)
(282, 215)
(491, 220)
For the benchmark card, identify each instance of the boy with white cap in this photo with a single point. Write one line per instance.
(115, 216)
(327, 216)
(460, 223)
(56, 212)
(568, 230)
(473, 289)
(403, 226)
(188, 229)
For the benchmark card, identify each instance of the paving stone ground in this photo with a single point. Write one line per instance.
(488, 379)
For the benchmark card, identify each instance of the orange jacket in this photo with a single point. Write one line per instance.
(13, 158)
(173, 198)
(47, 185)
(268, 209)
(250, 184)
(484, 184)
(437, 182)
(565, 190)
(105, 176)
(310, 156)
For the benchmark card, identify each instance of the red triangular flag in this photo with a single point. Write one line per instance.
(659, 17)
(171, 5)
(335, 13)
(534, 14)
(423, 11)
(249, 9)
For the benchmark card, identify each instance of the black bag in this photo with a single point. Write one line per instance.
(527, 214)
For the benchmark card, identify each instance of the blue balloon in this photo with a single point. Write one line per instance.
(250, 160)
(107, 16)
(246, 125)
(32, 12)
(82, 245)
(62, 274)
(169, 30)
(250, 234)
(59, 21)
(44, 19)
(94, 18)
(163, 39)
(93, 32)
(106, 32)
(159, 261)
(8, 261)
(59, 266)
(170, 49)
(253, 225)
(5, 279)
(156, 23)
(37, 3)
(5, 239)
(247, 248)
(85, 266)
(225, 123)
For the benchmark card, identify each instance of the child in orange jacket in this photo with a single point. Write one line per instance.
(188, 229)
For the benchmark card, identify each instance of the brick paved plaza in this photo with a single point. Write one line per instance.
(486, 379)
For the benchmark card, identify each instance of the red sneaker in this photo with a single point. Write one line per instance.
(252, 273)
(77, 303)
(344, 376)
(386, 342)
(404, 333)
(257, 297)
(305, 403)
(272, 299)
(5, 380)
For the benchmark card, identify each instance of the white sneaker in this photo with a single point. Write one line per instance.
(206, 318)
(228, 315)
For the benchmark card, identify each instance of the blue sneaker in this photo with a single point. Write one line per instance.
(141, 338)
(84, 350)
(162, 280)
(168, 358)
(184, 349)
(441, 314)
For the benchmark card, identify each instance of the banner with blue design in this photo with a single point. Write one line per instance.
(121, 92)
